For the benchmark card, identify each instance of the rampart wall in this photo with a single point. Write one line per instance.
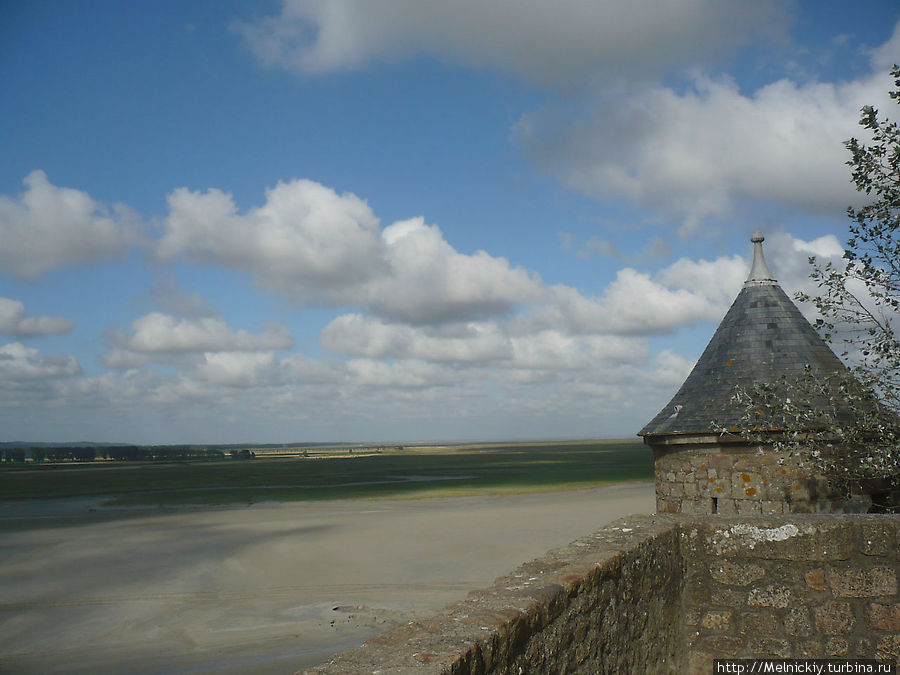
(667, 594)
(799, 587)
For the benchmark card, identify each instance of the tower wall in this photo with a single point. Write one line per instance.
(703, 476)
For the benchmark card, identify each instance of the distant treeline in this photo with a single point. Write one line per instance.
(118, 453)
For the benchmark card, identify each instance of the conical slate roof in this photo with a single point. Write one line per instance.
(762, 338)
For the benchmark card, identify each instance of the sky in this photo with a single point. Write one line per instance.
(393, 220)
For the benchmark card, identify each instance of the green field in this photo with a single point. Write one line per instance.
(417, 471)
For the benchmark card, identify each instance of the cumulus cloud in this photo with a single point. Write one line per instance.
(429, 281)
(562, 328)
(240, 369)
(368, 336)
(49, 227)
(408, 374)
(558, 44)
(157, 336)
(555, 350)
(306, 237)
(698, 154)
(581, 365)
(19, 363)
(14, 321)
(315, 245)
(717, 281)
(682, 293)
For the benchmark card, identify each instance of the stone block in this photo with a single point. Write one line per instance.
(769, 647)
(748, 507)
(876, 539)
(726, 597)
(726, 507)
(888, 647)
(862, 583)
(717, 620)
(696, 506)
(758, 623)
(810, 649)
(779, 540)
(797, 622)
(834, 618)
(862, 648)
(697, 462)
(769, 596)
(721, 462)
(837, 646)
(884, 617)
(746, 484)
(736, 574)
(815, 579)
(723, 645)
(667, 506)
(772, 507)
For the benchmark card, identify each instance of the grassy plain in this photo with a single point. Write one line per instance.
(415, 471)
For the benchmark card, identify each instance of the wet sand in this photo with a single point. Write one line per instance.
(266, 588)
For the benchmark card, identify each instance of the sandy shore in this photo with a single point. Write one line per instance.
(264, 588)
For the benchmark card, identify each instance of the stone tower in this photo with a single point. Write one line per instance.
(762, 339)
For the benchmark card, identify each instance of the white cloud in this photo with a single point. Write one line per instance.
(367, 336)
(554, 350)
(14, 321)
(561, 365)
(158, 336)
(696, 155)
(410, 374)
(703, 153)
(306, 237)
(49, 227)
(314, 245)
(718, 281)
(240, 369)
(429, 281)
(530, 354)
(558, 44)
(634, 304)
(20, 363)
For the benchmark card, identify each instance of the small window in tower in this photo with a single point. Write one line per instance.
(715, 505)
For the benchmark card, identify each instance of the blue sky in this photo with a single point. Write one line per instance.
(394, 220)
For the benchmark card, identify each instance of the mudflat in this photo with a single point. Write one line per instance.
(264, 588)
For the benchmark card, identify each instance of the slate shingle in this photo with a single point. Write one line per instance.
(762, 338)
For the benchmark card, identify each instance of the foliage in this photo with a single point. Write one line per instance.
(832, 422)
(847, 424)
(859, 304)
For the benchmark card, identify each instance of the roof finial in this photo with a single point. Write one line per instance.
(759, 272)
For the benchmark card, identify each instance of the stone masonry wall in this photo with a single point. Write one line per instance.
(667, 594)
(738, 480)
(804, 586)
(607, 603)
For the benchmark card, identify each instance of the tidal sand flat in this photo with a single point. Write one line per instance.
(265, 588)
